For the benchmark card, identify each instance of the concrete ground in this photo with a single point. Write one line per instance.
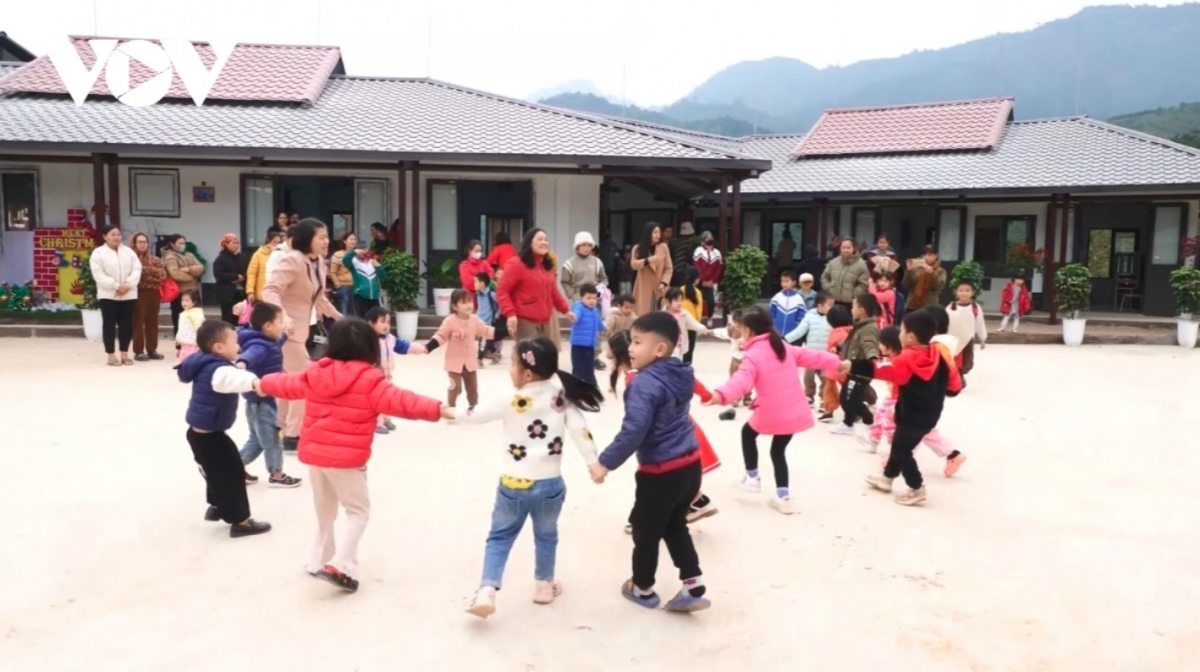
(1069, 541)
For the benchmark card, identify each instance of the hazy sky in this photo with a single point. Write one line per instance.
(651, 51)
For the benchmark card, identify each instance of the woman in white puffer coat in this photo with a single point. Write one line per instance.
(116, 270)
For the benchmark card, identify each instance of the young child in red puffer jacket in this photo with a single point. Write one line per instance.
(345, 392)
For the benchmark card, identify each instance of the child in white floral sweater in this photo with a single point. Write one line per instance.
(537, 417)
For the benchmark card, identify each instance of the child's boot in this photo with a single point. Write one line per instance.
(484, 604)
(953, 464)
(880, 482)
(912, 497)
(546, 591)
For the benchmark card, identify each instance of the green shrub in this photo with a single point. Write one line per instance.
(1185, 285)
(967, 271)
(1072, 289)
(401, 280)
(90, 302)
(745, 269)
(442, 276)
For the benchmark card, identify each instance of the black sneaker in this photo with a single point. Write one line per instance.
(212, 515)
(290, 443)
(600, 366)
(140, 358)
(249, 528)
(825, 417)
(155, 356)
(251, 479)
(728, 414)
(338, 579)
(283, 481)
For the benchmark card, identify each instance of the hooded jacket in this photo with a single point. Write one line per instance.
(776, 385)
(216, 383)
(924, 378)
(845, 278)
(343, 403)
(656, 425)
(261, 355)
(863, 341)
(256, 272)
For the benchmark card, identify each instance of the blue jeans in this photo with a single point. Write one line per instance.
(344, 300)
(583, 362)
(264, 435)
(543, 502)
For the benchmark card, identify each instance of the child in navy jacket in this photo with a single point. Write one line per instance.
(212, 410)
(585, 332)
(789, 305)
(658, 430)
(261, 353)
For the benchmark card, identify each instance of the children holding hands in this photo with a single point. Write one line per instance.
(461, 333)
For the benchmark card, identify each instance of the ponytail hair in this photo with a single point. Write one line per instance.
(539, 356)
(691, 275)
(758, 322)
(618, 345)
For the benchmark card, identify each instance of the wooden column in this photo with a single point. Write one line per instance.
(98, 206)
(821, 232)
(1065, 225)
(402, 208)
(114, 191)
(415, 224)
(1048, 257)
(722, 223)
(737, 214)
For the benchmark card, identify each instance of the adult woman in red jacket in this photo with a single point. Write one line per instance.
(473, 264)
(528, 291)
(502, 251)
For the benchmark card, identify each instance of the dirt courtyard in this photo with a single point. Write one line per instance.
(1070, 540)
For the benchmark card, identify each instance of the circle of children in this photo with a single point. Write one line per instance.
(348, 393)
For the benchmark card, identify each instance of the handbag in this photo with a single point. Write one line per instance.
(168, 291)
(499, 322)
(244, 316)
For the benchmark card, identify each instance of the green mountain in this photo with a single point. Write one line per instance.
(1180, 123)
(719, 124)
(1103, 61)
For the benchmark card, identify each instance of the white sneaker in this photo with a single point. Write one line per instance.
(864, 437)
(782, 505)
(841, 429)
(484, 604)
(751, 484)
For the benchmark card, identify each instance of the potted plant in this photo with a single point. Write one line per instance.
(967, 271)
(444, 280)
(1185, 285)
(89, 308)
(1023, 260)
(741, 287)
(400, 283)
(1072, 292)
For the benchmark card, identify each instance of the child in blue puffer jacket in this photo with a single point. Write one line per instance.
(657, 428)
(585, 332)
(261, 353)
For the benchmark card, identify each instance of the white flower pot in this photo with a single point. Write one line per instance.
(406, 325)
(1073, 330)
(93, 325)
(1186, 331)
(441, 301)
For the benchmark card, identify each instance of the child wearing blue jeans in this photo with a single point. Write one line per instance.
(487, 309)
(585, 333)
(536, 417)
(262, 353)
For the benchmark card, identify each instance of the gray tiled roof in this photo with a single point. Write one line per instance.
(1050, 154)
(687, 135)
(355, 114)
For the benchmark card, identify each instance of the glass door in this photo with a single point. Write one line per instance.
(370, 206)
(258, 209)
(490, 225)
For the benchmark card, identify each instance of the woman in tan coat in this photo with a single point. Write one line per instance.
(297, 286)
(145, 313)
(651, 262)
(185, 269)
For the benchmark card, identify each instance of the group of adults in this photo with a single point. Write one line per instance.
(850, 273)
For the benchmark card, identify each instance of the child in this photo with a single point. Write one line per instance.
(839, 329)
(788, 306)
(807, 292)
(212, 410)
(885, 423)
(813, 333)
(584, 332)
(687, 323)
(345, 392)
(702, 507)
(537, 416)
(1015, 303)
(861, 343)
(461, 332)
(656, 428)
(488, 311)
(693, 304)
(769, 367)
(923, 379)
(261, 354)
(189, 323)
(883, 289)
(966, 325)
(619, 319)
(945, 344)
(381, 322)
(734, 333)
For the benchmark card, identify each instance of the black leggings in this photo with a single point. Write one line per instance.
(779, 444)
(854, 406)
(117, 319)
(691, 347)
(901, 461)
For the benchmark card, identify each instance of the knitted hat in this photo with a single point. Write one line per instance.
(584, 238)
(686, 229)
(805, 277)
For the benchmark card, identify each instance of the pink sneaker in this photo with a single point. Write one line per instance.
(953, 464)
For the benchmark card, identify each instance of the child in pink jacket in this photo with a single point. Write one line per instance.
(769, 367)
(884, 292)
(461, 332)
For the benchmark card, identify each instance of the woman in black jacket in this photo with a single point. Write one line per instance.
(229, 271)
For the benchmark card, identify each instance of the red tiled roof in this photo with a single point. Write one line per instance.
(935, 127)
(253, 73)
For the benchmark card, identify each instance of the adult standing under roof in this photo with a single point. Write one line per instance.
(846, 275)
(528, 293)
(296, 284)
(502, 251)
(229, 271)
(282, 220)
(182, 267)
(380, 243)
(651, 262)
(473, 264)
(681, 248)
(881, 259)
(813, 264)
(924, 280)
(117, 272)
(785, 252)
(145, 313)
(341, 275)
(584, 268)
(256, 268)
(708, 260)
